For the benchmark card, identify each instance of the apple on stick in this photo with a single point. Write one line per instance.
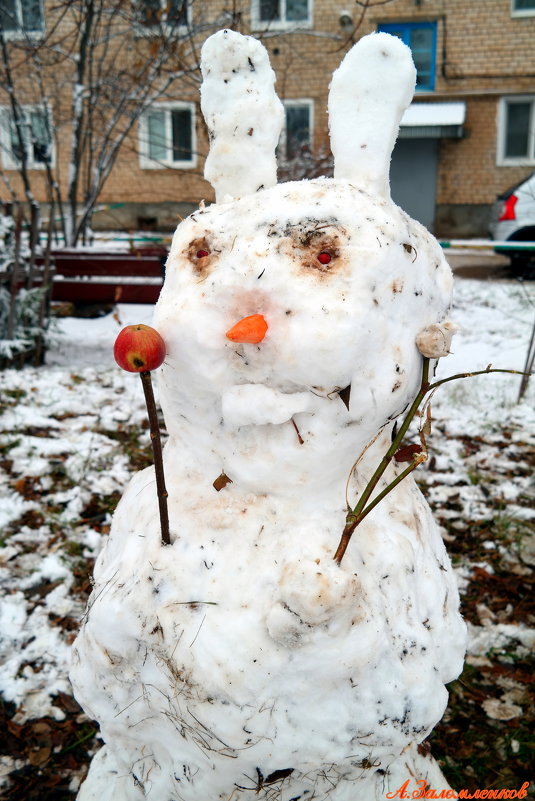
(140, 349)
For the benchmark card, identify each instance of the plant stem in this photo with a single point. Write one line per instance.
(157, 454)
(469, 375)
(355, 520)
(528, 367)
(354, 516)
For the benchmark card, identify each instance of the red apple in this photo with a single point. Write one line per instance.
(139, 348)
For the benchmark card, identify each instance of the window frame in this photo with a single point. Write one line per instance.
(502, 158)
(521, 12)
(23, 33)
(283, 140)
(406, 27)
(281, 24)
(6, 154)
(145, 161)
(142, 29)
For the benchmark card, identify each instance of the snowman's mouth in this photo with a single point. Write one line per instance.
(258, 404)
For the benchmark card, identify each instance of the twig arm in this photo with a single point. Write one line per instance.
(157, 455)
(355, 515)
(352, 520)
(486, 371)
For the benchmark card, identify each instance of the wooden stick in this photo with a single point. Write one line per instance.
(157, 455)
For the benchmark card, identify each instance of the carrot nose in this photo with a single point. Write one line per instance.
(249, 329)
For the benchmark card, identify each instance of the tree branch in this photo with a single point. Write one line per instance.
(362, 509)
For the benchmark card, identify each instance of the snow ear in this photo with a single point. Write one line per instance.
(243, 114)
(369, 92)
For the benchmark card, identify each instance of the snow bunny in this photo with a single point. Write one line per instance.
(242, 660)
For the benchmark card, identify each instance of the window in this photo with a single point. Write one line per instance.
(167, 134)
(21, 16)
(522, 8)
(281, 13)
(296, 136)
(36, 136)
(153, 14)
(516, 139)
(421, 37)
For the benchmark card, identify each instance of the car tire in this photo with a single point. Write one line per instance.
(522, 264)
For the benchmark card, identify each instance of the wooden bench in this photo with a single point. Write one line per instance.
(108, 276)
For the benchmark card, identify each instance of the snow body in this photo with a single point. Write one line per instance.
(242, 659)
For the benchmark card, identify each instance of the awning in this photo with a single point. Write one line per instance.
(433, 121)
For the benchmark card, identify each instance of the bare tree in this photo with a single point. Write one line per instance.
(99, 66)
(81, 82)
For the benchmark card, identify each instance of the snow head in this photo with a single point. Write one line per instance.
(343, 278)
(242, 658)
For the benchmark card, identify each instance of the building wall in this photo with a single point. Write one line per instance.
(483, 53)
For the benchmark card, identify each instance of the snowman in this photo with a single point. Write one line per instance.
(242, 660)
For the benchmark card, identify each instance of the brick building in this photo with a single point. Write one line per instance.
(469, 134)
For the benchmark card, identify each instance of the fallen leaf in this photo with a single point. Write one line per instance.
(500, 710)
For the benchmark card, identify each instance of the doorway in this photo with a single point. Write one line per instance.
(413, 178)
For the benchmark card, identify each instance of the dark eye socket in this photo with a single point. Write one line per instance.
(201, 254)
(324, 257)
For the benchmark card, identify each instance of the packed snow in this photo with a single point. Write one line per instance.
(203, 653)
(349, 287)
(81, 391)
(369, 93)
(243, 114)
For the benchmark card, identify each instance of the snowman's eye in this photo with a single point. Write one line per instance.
(324, 257)
(200, 253)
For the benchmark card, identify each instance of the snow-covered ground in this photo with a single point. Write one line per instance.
(72, 431)
(495, 320)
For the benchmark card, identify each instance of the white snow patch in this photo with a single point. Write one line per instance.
(255, 404)
(482, 639)
(13, 507)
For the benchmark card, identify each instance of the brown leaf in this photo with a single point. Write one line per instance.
(41, 727)
(14, 728)
(410, 249)
(425, 430)
(221, 482)
(278, 775)
(345, 394)
(39, 756)
(67, 703)
(424, 749)
(407, 453)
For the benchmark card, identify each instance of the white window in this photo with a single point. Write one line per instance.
(36, 134)
(523, 8)
(19, 17)
(167, 136)
(157, 15)
(516, 130)
(277, 14)
(296, 136)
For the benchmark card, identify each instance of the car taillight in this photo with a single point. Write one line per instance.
(508, 212)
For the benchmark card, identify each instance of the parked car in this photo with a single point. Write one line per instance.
(513, 220)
